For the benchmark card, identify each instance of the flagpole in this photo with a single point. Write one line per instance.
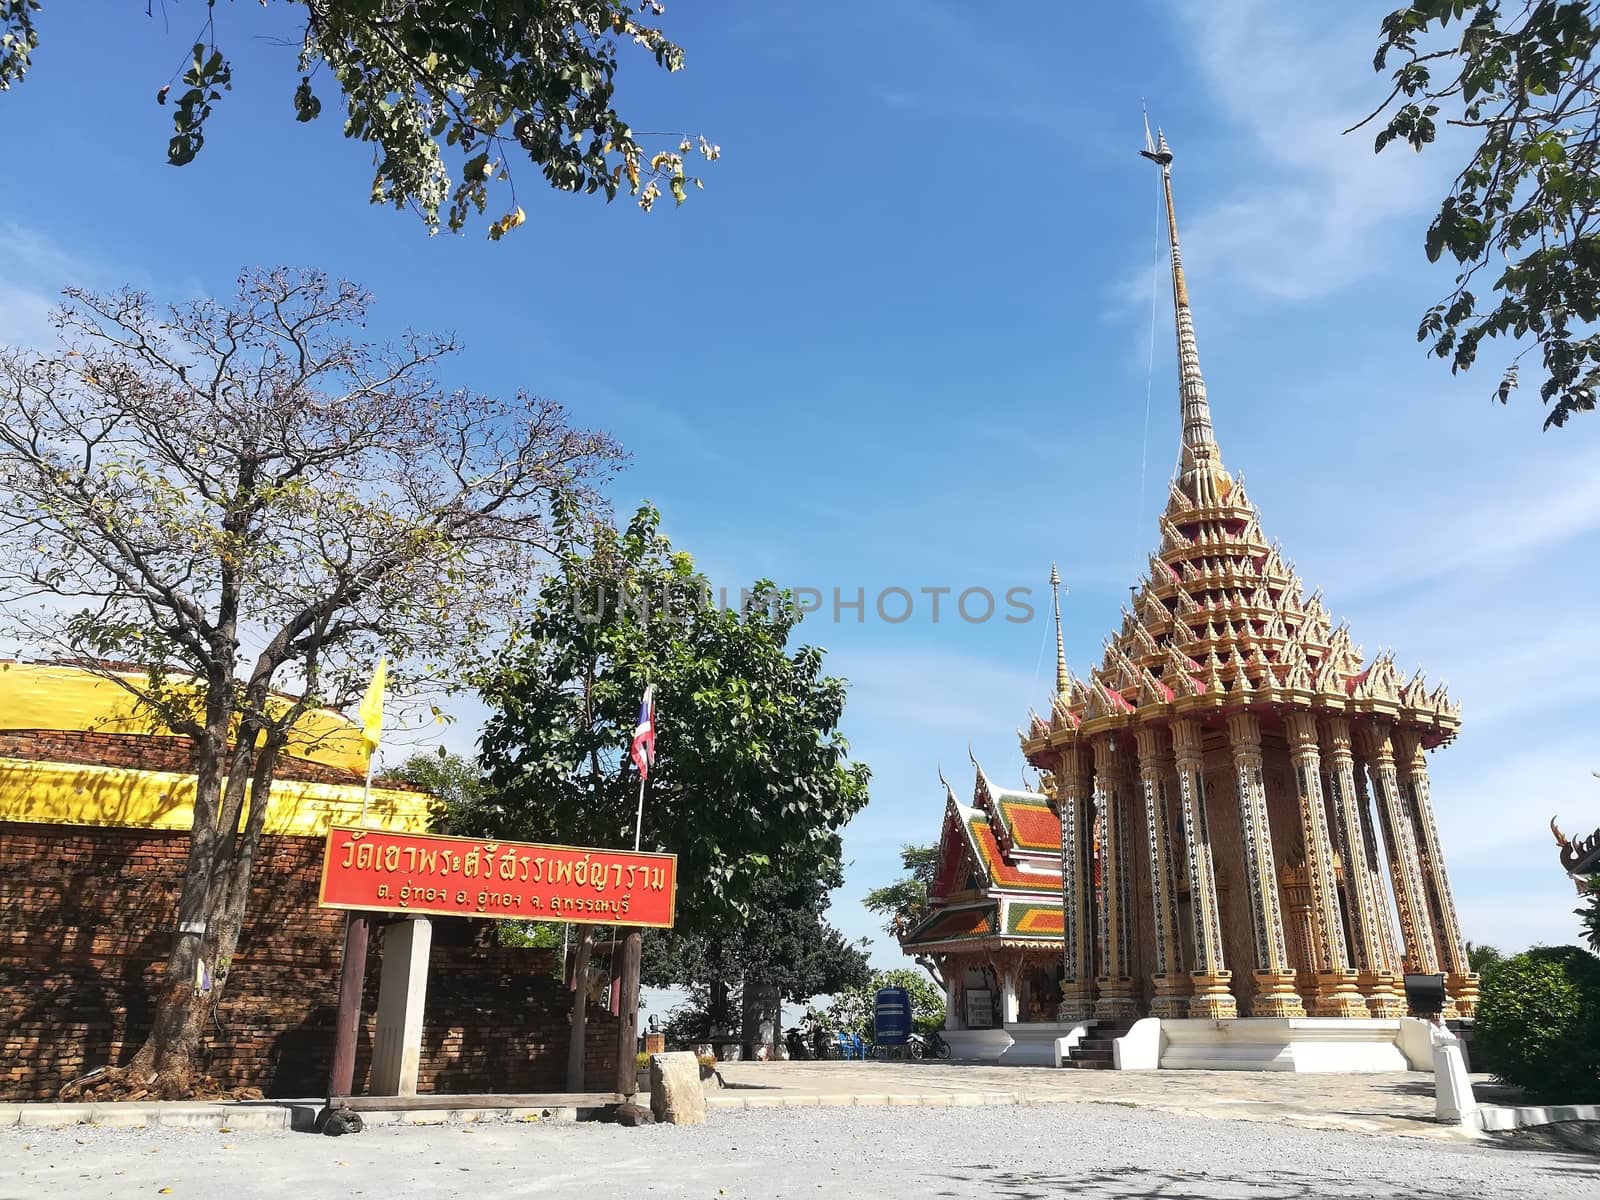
(357, 925)
(638, 820)
(366, 790)
(625, 982)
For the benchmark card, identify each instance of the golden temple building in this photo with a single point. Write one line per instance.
(1240, 793)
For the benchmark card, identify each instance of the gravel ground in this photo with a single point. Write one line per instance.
(1003, 1153)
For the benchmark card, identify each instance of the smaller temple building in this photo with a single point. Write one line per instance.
(994, 932)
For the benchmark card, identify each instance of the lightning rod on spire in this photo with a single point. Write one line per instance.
(1063, 679)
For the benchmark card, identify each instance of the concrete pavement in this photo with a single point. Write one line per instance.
(1398, 1103)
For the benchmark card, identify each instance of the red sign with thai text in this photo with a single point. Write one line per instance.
(476, 877)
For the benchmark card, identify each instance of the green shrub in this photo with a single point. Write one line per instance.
(1538, 1023)
(852, 1010)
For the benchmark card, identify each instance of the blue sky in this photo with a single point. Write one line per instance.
(903, 339)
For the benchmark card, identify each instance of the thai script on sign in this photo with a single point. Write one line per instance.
(404, 872)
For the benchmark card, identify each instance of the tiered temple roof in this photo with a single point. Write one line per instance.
(998, 878)
(1220, 618)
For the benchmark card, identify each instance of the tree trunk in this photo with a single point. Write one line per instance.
(576, 1043)
(211, 907)
(626, 983)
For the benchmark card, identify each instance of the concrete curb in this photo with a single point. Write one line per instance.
(253, 1116)
(466, 1116)
(855, 1100)
(171, 1114)
(1501, 1118)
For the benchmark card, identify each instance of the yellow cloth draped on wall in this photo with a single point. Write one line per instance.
(63, 698)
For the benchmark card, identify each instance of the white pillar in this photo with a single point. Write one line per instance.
(1453, 1101)
(1008, 998)
(952, 996)
(402, 992)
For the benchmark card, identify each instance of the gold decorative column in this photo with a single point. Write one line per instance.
(1412, 764)
(1337, 994)
(1405, 870)
(1155, 767)
(1274, 976)
(1370, 934)
(1077, 886)
(1211, 997)
(1369, 834)
(1294, 887)
(1116, 998)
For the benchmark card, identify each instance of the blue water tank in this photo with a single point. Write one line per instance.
(892, 1016)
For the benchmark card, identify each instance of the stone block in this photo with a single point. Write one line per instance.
(676, 1096)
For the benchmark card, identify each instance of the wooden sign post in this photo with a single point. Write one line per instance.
(372, 870)
(628, 1014)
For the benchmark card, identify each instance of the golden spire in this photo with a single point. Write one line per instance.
(1200, 463)
(1063, 680)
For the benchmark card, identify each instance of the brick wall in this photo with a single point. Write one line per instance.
(85, 919)
(149, 752)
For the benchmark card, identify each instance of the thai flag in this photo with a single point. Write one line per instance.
(643, 749)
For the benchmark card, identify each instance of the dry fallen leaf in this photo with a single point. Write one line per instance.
(164, 1191)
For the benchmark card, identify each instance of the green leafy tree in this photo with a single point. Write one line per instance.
(251, 502)
(482, 85)
(1523, 80)
(1589, 914)
(456, 784)
(1483, 959)
(752, 780)
(852, 1010)
(784, 943)
(1538, 1023)
(905, 901)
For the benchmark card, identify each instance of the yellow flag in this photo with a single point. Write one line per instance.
(371, 710)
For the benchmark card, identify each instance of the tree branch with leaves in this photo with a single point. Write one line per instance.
(905, 901)
(1522, 78)
(424, 81)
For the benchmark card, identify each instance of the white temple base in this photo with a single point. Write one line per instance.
(1040, 1043)
(1282, 1044)
(977, 1045)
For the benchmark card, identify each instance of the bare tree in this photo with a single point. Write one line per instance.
(251, 502)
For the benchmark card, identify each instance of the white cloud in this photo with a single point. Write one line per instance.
(1488, 519)
(24, 315)
(1292, 78)
(942, 695)
(34, 269)
(1494, 800)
